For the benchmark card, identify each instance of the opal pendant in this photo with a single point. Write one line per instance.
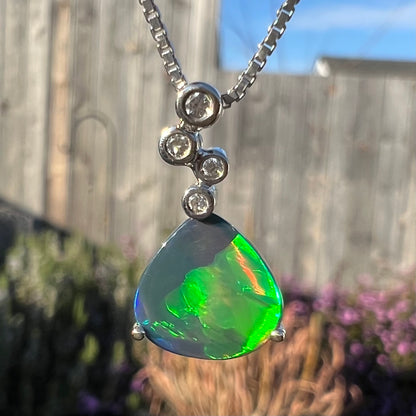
(207, 293)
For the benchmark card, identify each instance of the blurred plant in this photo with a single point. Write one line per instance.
(347, 352)
(299, 377)
(378, 328)
(65, 316)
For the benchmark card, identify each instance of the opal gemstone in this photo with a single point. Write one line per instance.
(207, 293)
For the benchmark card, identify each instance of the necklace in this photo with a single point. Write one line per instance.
(207, 293)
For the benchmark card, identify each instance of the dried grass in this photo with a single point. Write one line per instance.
(298, 377)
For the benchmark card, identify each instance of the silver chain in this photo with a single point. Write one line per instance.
(246, 78)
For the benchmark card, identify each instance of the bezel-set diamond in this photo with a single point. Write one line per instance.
(199, 201)
(211, 165)
(178, 146)
(199, 105)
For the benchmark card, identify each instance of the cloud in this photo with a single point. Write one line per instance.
(356, 17)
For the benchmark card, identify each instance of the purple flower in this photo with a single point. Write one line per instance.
(380, 313)
(383, 360)
(378, 329)
(404, 348)
(412, 320)
(88, 403)
(392, 314)
(399, 326)
(367, 299)
(298, 307)
(382, 297)
(386, 339)
(402, 306)
(361, 366)
(357, 349)
(389, 347)
(328, 298)
(349, 316)
(338, 332)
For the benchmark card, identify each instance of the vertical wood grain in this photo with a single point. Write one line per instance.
(37, 105)
(14, 83)
(59, 139)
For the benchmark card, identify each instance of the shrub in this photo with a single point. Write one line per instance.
(378, 329)
(65, 317)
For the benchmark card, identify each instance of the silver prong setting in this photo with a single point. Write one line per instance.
(278, 334)
(137, 332)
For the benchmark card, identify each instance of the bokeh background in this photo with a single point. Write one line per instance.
(323, 181)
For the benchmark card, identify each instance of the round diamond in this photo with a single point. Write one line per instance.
(178, 146)
(199, 106)
(199, 203)
(213, 168)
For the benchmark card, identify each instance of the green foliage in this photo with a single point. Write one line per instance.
(65, 320)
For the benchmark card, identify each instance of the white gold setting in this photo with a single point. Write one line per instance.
(137, 332)
(198, 201)
(178, 146)
(211, 165)
(278, 334)
(199, 105)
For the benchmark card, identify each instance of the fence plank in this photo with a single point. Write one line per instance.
(316, 140)
(84, 127)
(59, 140)
(14, 81)
(360, 175)
(35, 143)
(395, 176)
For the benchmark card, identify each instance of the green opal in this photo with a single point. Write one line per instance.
(207, 293)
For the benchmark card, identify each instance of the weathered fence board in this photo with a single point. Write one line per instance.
(59, 143)
(323, 170)
(24, 38)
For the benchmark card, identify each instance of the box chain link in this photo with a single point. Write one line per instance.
(247, 78)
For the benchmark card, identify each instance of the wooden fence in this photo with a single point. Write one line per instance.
(323, 170)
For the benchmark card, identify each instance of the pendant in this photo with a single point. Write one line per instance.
(207, 293)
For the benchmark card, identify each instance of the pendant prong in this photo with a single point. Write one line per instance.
(278, 334)
(137, 332)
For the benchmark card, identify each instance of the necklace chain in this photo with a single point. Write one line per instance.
(247, 78)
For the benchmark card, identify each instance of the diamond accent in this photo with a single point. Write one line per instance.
(178, 146)
(213, 168)
(199, 203)
(199, 106)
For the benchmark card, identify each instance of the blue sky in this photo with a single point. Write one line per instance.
(370, 29)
